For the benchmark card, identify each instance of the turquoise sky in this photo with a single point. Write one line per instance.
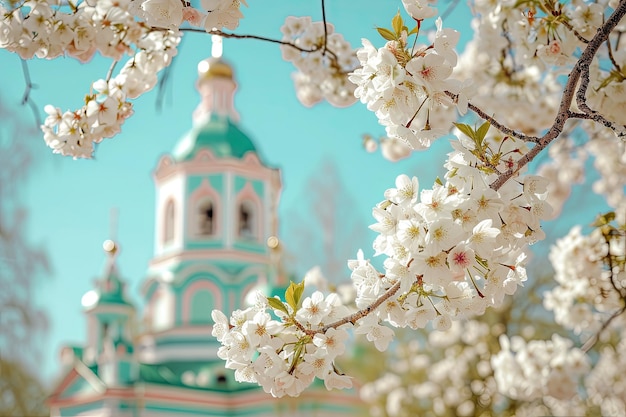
(69, 201)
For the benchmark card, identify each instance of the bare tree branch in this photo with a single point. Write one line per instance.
(325, 28)
(26, 99)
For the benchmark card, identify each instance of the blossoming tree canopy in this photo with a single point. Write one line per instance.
(534, 72)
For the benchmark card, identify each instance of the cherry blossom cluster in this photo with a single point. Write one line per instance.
(451, 372)
(451, 252)
(323, 59)
(446, 373)
(75, 132)
(392, 149)
(565, 168)
(281, 355)
(170, 14)
(541, 36)
(588, 292)
(607, 90)
(145, 30)
(48, 30)
(523, 97)
(606, 385)
(406, 84)
(610, 162)
(539, 368)
(455, 249)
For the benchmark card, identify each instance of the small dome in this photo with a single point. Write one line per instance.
(214, 68)
(110, 287)
(219, 135)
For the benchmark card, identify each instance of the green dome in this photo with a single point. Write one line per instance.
(219, 135)
(110, 291)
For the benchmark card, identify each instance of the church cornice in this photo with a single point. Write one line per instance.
(172, 259)
(181, 330)
(206, 163)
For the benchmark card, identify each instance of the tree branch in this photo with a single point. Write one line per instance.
(580, 37)
(494, 122)
(580, 70)
(110, 71)
(591, 342)
(259, 38)
(585, 61)
(325, 28)
(27, 89)
(611, 57)
(353, 318)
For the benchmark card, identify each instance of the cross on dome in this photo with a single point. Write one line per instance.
(216, 46)
(109, 245)
(216, 86)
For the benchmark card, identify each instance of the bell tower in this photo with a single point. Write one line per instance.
(216, 223)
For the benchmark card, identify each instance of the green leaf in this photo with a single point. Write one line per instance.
(277, 304)
(467, 130)
(614, 76)
(397, 24)
(387, 34)
(482, 132)
(604, 219)
(294, 294)
(415, 30)
(298, 292)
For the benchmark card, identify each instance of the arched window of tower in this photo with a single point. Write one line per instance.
(247, 220)
(206, 217)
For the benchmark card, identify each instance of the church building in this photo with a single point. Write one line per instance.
(216, 244)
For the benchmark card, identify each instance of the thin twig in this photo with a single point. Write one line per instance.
(165, 77)
(580, 37)
(161, 87)
(325, 28)
(611, 57)
(353, 318)
(110, 71)
(609, 260)
(27, 81)
(28, 87)
(591, 342)
(494, 122)
(260, 38)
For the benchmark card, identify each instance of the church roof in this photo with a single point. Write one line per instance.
(219, 135)
(211, 376)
